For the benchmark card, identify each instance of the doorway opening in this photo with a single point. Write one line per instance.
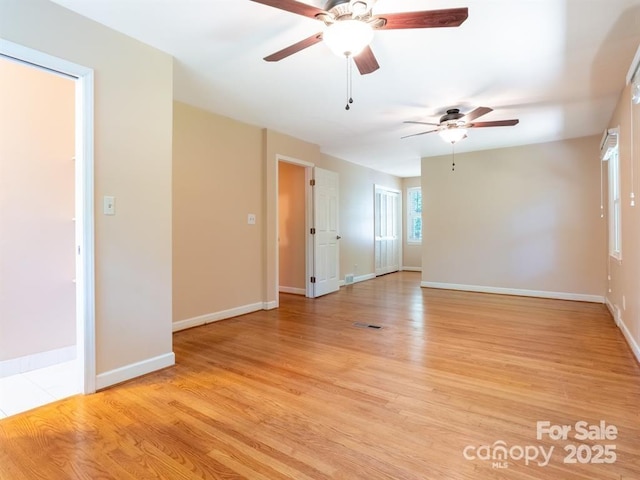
(321, 223)
(46, 249)
(294, 207)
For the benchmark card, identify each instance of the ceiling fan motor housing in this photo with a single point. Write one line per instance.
(451, 116)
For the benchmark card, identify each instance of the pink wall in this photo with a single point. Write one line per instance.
(37, 262)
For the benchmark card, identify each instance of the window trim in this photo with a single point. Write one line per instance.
(611, 155)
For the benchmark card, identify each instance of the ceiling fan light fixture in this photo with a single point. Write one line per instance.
(452, 134)
(347, 38)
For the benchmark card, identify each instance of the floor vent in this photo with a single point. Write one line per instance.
(367, 325)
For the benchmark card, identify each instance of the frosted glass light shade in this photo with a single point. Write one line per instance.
(635, 90)
(452, 135)
(347, 38)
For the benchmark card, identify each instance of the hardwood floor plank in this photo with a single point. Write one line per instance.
(302, 393)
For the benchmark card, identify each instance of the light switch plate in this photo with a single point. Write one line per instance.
(109, 205)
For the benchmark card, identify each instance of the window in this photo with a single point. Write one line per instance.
(611, 155)
(414, 215)
(614, 204)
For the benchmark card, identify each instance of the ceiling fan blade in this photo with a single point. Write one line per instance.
(416, 134)
(293, 7)
(366, 61)
(422, 123)
(478, 112)
(296, 47)
(451, 17)
(497, 123)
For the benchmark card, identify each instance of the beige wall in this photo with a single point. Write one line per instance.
(625, 275)
(37, 238)
(411, 252)
(357, 193)
(221, 264)
(522, 218)
(357, 185)
(291, 226)
(217, 182)
(133, 112)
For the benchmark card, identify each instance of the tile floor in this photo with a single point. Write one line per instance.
(22, 392)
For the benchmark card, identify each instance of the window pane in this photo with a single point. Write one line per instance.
(414, 214)
(417, 229)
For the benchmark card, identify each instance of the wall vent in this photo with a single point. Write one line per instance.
(348, 279)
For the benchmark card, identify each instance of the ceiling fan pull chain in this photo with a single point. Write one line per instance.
(453, 157)
(349, 83)
(350, 61)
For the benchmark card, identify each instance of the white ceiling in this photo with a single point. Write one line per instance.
(557, 65)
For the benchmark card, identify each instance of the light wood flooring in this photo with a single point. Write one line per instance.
(302, 393)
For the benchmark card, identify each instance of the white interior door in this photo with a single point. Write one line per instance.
(326, 250)
(387, 230)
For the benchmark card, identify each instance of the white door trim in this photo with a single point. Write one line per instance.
(85, 265)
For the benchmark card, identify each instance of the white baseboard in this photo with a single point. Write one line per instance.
(27, 363)
(615, 313)
(609, 305)
(580, 297)
(134, 370)
(293, 290)
(613, 310)
(364, 278)
(222, 315)
(635, 348)
(411, 269)
(270, 305)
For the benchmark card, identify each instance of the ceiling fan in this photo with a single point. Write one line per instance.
(453, 125)
(350, 25)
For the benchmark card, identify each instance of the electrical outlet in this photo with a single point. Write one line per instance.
(251, 219)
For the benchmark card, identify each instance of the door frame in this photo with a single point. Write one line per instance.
(308, 199)
(84, 199)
